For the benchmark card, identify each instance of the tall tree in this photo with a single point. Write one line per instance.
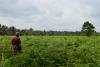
(88, 28)
(12, 30)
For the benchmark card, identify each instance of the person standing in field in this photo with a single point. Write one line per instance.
(16, 43)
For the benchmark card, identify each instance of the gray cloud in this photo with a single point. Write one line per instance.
(12, 8)
(49, 15)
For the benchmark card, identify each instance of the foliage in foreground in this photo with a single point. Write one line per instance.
(52, 51)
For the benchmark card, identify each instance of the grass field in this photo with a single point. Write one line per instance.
(52, 51)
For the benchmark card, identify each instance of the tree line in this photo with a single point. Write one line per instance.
(87, 29)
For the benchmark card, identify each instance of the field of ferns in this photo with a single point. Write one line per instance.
(51, 51)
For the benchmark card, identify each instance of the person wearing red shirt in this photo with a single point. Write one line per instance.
(16, 43)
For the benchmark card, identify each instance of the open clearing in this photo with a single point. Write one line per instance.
(52, 51)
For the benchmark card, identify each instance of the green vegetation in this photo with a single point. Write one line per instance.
(88, 28)
(52, 51)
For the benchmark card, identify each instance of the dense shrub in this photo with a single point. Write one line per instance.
(53, 51)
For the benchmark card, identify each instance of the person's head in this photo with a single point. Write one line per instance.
(17, 34)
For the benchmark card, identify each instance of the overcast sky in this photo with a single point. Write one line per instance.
(68, 15)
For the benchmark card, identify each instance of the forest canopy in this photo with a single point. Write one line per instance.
(5, 30)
